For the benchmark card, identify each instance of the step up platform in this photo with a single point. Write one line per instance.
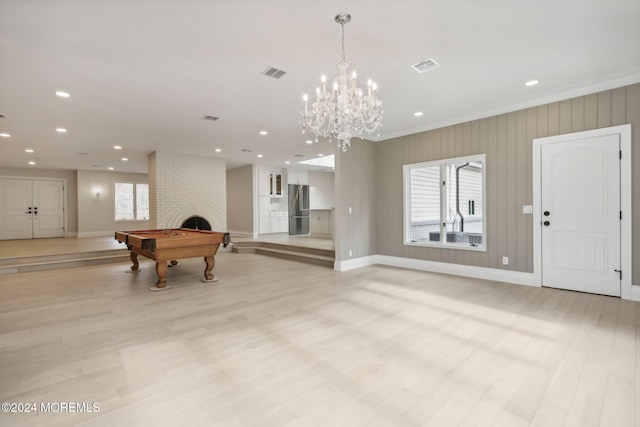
(322, 257)
(25, 264)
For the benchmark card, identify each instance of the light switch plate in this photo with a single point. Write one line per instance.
(527, 209)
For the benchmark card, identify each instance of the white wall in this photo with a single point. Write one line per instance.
(182, 186)
(321, 203)
(321, 193)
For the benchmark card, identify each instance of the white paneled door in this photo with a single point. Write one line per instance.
(580, 202)
(31, 208)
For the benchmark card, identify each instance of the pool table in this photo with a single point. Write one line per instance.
(170, 245)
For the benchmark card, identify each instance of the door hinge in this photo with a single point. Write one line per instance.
(619, 272)
(620, 154)
(620, 214)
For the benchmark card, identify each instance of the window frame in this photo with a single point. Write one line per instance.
(406, 194)
(135, 201)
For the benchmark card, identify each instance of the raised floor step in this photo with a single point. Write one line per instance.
(314, 256)
(57, 261)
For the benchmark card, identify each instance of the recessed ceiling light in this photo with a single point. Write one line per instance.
(308, 141)
(32, 163)
(259, 155)
(531, 83)
(320, 155)
(28, 150)
(5, 135)
(117, 147)
(110, 168)
(61, 130)
(124, 159)
(418, 113)
(287, 162)
(62, 94)
(218, 150)
(263, 132)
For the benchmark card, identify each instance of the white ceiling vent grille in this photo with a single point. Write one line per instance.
(426, 65)
(212, 118)
(273, 72)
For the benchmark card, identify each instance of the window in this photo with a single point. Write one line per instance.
(131, 201)
(444, 203)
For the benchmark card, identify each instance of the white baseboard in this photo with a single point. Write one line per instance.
(516, 277)
(352, 264)
(507, 276)
(95, 234)
(246, 234)
(635, 293)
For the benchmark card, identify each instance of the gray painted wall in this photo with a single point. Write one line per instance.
(96, 214)
(355, 177)
(240, 199)
(507, 141)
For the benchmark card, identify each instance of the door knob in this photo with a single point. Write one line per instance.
(546, 213)
(546, 223)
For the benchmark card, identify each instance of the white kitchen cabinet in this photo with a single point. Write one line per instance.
(275, 184)
(264, 182)
(299, 177)
(279, 221)
(264, 215)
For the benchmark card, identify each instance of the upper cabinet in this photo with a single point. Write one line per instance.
(270, 182)
(275, 184)
(264, 183)
(299, 177)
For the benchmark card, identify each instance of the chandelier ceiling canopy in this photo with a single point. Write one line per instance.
(344, 111)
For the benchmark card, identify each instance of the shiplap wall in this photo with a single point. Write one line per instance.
(507, 141)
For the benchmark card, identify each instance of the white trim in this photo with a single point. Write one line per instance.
(352, 264)
(493, 274)
(635, 293)
(626, 288)
(83, 234)
(444, 204)
(246, 234)
(612, 82)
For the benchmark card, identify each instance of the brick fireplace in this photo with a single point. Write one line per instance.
(182, 186)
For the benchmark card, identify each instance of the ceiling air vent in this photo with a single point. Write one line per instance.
(273, 72)
(298, 155)
(426, 65)
(244, 150)
(212, 118)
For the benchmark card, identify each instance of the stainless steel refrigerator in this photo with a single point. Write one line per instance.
(298, 209)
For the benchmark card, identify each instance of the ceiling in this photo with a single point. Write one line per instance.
(142, 74)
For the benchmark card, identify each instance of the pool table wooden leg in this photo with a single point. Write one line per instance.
(208, 275)
(134, 259)
(161, 269)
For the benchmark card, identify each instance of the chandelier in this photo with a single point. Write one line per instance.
(346, 111)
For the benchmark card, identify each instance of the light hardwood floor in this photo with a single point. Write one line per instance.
(280, 343)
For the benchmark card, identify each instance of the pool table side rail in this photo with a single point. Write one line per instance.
(142, 239)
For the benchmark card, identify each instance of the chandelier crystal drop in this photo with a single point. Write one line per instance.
(344, 111)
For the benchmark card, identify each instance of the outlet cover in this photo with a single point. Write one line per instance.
(505, 260)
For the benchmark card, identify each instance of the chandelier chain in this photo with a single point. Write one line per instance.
(344, 55)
